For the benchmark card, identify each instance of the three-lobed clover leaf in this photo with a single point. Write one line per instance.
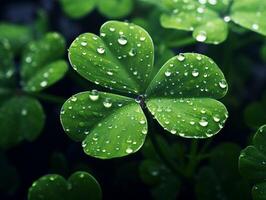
(80, 185)
(181, 96)
(208, 19)
(80, 8)
(252, 163)
(21, 115)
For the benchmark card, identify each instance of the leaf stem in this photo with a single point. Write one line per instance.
(193, 158)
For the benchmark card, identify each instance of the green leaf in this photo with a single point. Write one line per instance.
(41, 63)
(80, 186)
(250, 14)
(252, 163)
(121, 58)
(17, 35)
(191, 15)
(77, 8)
(182, 96)
(109, 125)
(221, 180)
(259, 191)
(21, 118)
(7, 69)
(115, 8)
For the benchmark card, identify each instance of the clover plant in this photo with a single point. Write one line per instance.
(80, 185)
(252, 163)
(80, 8)
(21, 114)
(209, 19)
(181, 96)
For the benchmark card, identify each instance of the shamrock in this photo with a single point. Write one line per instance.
(80, 186)
(252, 163)
(21, 115)
(208, 19)
(181, 96)
(80, 8)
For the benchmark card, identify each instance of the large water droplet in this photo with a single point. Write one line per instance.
(203, 122)
(129, 150)
(167, 73)
(107, 103)
(195, 72)
(94, 96)
(132, 52)
(122, 40)
(43, 83)
(223, 84)
(100, 50)
(201, 36)
(181, 57)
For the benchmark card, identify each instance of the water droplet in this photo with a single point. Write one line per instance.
(43, 83)
(223, 84)
(24, 112)
(216, 118)
(203, 122)
(173, 131)
(195, 73)
(74, 98)
(201, 36)
(28, 59)
(227, 18)
(112, 29)
(83, 44)
(107, 103)
(142, 39)
(122, 40)
(132, 52)
(100, 50)
(110, 73)
(129, 150)
(167, 73)
(94, 96)
(142, 121)
(255, 26)
(181, 57)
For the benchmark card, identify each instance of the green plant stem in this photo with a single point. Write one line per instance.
(181, 43)
(48, 98)
(193, 158)
(205, 146)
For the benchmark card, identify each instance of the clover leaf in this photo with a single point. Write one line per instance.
(80, 185)
(21, 115)
(252, 163)
(209, 19)
(181, 96)
(80, 8)
(18, 35)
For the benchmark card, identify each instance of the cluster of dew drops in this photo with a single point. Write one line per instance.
(122, 40)
(201, 36)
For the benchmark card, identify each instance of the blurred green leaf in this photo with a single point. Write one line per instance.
(221, 180)
(80, 186)
(21, 118)
(17, 35)
(42, 63)
(78, 8)
(252, 163)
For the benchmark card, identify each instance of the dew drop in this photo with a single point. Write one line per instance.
(122, 40)
(195, 73)
(222, 84)
(203, 122)
(83, 44)
(100, 50)
(107, 103)
(201, 36)
(129, 150)
(43, 83)
(181, 57)
(167, 73)
(94, 96)
(132, 52)
(216, 118)
(24, 112)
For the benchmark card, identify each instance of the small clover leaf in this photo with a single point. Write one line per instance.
(252, 163)
(22, 116)
(42, 65)
(77, 9)
(80, 186)
(17, 35)
(80, 8)
(181, 96)
(208, 19)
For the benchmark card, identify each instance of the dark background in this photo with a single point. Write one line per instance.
(119, 178)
